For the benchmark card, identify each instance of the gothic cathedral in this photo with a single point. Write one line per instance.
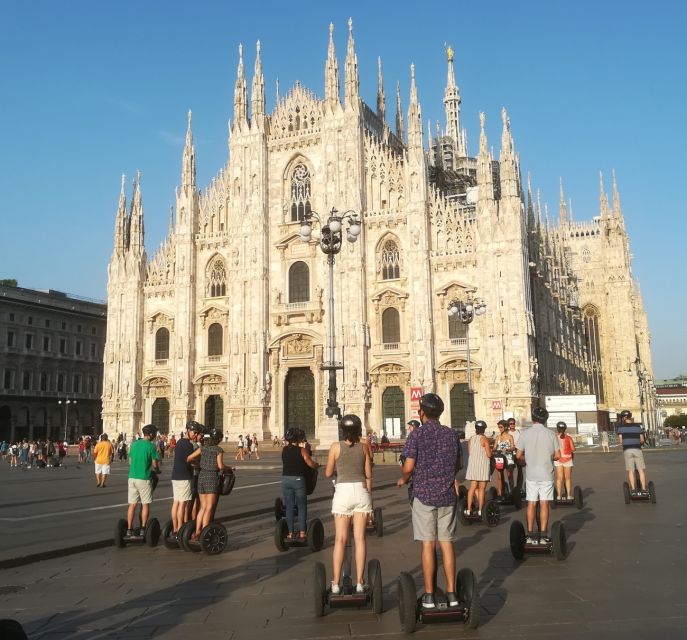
(228, 322)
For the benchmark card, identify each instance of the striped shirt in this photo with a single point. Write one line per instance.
(630, 434)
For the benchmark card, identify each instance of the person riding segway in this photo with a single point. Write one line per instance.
(299, 478)
(564, 494)
(632, 437)
(143, 475)
(432, 458)
(183, 483)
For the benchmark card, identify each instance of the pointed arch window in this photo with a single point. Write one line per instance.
(217, 280)
(162, 344)
(300, 193)
(391, 326)
(215, 334)
(591, 330)
(390, 261)
(299, 282)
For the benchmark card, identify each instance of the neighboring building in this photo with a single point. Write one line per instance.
(51, 351)
(227, 323)
(672, 397)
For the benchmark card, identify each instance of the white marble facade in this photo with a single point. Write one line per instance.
(227, 323)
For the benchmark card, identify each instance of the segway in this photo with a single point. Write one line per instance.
(214, 537)
(490, 516)
(510, 498)
(315, 534)
(348, 597)
(149, 535)
(375, 523)
(411, 611)
(519, 547)
(639, 495)
(575, 500)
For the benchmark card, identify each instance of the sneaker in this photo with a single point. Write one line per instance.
(361, 587)
(544, 540)
(479, 513)
(335, 589)
(428, 601)
(466, 512)
(531, 540)
(129, 533)
(452, 599)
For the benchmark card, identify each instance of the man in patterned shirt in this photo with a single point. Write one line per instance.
(432, 459)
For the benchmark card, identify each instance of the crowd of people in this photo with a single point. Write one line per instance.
(30, 454)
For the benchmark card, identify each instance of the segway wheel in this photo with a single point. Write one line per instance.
(492, 493)
(626, 492)
(469, 596)
(379, 522)
(319, 589)
(315, 534)
(652, 491)
(281, 530)
(517, 539)
(491, 514)
(462, 492)
(152, 532)
(279, 509)
(407, 602)
(374, 578)
(184, 534)
(516, 494)
(213, 538)
(166, 533)
(120, 532)
(560, 543)
(579, 499)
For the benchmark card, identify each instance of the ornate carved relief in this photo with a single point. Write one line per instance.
(160, 320)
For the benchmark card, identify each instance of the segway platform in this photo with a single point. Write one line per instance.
(314, 537)
(575, 500)
(348, 597)
(150, 535)
(557, 547)
(490, 516)
(411, 611)
(639, 495)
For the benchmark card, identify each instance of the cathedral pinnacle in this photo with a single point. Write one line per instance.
(381, 99)
(617, 211)
(509, 165)
(485, 179)
(603, 198)
(240, 94)
(258, 90)
(351, 80)
(331, 73)
(136, 234)
(188, 162)
(452, 107)
(562, 208)
(399, 114)
(414, 115)
(120, 242)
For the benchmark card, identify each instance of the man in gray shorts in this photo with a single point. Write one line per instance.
(631, 436)
(432, 459)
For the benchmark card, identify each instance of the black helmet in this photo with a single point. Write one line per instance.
(561, 426)
(414, 423)
(539, 414)
(351, 426)
(625, 413)
(480, 426)
(292, 434)
(432, 405)
(194, 426)
(149, 430)
(215, 432)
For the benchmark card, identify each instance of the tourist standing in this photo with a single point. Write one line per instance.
(103, 453)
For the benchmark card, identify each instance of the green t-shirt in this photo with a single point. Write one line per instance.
(141, 455)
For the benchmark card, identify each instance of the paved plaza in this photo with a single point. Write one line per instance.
(623, 578)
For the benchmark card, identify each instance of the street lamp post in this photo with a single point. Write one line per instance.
(66, 404)
(466, 312)
(330, 242)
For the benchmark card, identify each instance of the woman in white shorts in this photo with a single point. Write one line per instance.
(564, 464)
(351, 461)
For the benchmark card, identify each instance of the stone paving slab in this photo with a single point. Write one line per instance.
(623, 578)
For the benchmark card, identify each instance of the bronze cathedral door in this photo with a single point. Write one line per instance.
(299, 394)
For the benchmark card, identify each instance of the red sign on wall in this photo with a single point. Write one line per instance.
(496, 405)
(415, 394)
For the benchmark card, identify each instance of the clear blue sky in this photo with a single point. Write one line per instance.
(91, 90)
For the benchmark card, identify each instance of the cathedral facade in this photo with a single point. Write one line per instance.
(228, 322)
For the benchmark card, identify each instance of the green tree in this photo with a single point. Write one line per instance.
(9, 282)
(675, 421)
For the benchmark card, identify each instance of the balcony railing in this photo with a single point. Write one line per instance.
(161, 362)
(214, 358)
(459, 342)
(391, 346)
(296, 305)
